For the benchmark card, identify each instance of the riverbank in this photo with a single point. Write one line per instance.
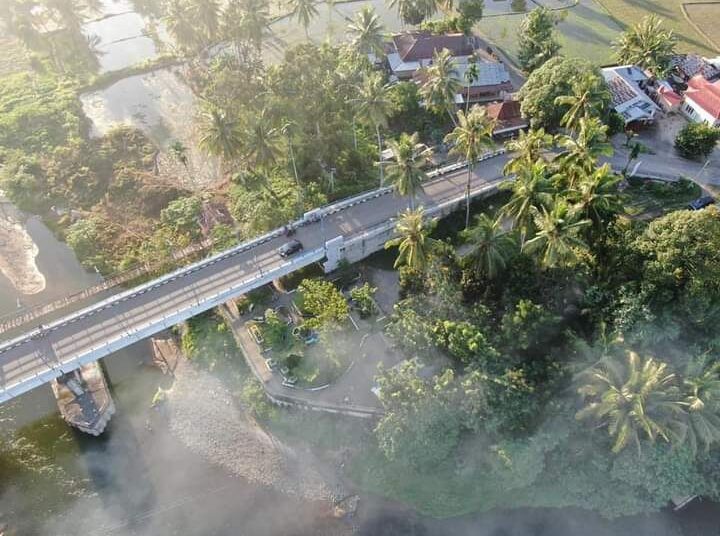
(18, 252)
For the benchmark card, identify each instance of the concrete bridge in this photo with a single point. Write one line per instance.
(351, 229)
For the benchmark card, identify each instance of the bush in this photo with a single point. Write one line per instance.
(697, 140)
(363, 299)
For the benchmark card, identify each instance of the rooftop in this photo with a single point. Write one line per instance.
(628, 98)
(705, 94)
(417, 46)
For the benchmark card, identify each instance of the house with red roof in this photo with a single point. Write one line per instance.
(702, 101)
(507, 117)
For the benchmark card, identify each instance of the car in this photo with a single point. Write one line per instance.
(701, 202)
(290, 248)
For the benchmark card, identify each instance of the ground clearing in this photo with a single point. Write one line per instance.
(628, 12)
(586, 31)
(705, 16)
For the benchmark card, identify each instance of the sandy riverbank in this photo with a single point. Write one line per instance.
(205, 417)
(18, 253)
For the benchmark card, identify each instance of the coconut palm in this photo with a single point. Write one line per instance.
(441, 83)
(414, 11)
(206, 16)
(596, 197)
(471, 136)
(405, 169)
(527, 148)
(178, 21)
(472, 74)
(530, 192)
(557, 241)
(633, 398)
(373, 102)
(220, 135)
(581, 152)
(412, 241)
(304, 11)
(248, 23)
(648, 46)
(366, 31)
(262, 142)
(490, 246)
(701, 387)
(588, 96)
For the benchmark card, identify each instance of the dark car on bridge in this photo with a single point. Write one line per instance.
(701, 202)
(290, 248)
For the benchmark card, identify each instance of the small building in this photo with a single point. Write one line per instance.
(507, 116)
(627, 84)
(492, 83)
(687, 66)
(409, 52)
(668, 99)
(702, 101)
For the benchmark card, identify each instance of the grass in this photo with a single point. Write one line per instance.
(585, 31)
(705, 16)
(628, 12)
(651, 199)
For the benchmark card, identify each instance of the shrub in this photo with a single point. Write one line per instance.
(696, 140)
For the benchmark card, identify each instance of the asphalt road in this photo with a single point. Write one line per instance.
(32, 360)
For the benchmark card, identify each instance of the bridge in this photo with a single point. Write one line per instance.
(351, 229)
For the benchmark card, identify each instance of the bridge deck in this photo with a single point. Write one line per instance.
(68, 343)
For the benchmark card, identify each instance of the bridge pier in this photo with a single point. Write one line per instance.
(84, 398)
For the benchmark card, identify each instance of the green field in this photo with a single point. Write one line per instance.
(629, 11)
(706, 16)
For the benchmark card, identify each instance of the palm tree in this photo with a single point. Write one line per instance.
(374, 103)
(530, 192)
(491, 246)
(412, 242)
(633, 398)
(414, 11)
(596, 197)
(405, 171)
(262, 143)
(470, 137)
(557, 241)
(220, 135)
(206, 14)
(702, 404)
(472, 73)
(581, 153)
(441, 83)
(248, 23)
(304, 11)
(527, 148)
(366, 31)
(648, 46)
(587, 99)
(178, 21)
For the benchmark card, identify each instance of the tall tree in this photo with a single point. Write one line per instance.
(247, 24)
(648, 46)
(490, 246)
(373, 102)
(596, 197)
(414, 11)
(178, 21)
(262, 142)
(633, 398)
(405, 170)
(412, 241)
(580, 154)
(536, 38)
(206, 15)
(471, 136)
(701, 387)
(304, 11)
(530, 192)
(557, 241)
(527, 149)
(220, 135)
(588, 98)
(366, 31)
(441, 83)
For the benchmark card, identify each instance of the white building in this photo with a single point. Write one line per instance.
(702, 101)
(626, 84)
